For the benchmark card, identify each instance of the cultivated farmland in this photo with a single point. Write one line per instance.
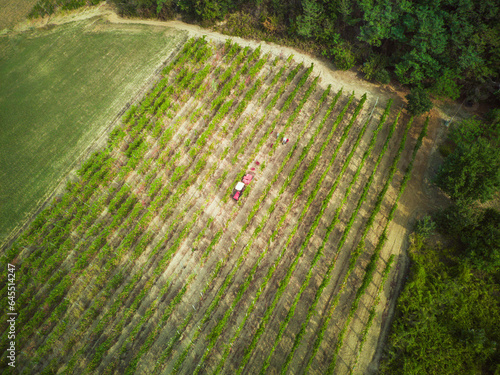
(146, 265)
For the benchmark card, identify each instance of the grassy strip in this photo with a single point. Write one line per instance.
(216, 332)
(259, 125)
(149, 341)
(99, 329)
(79, 264)
(105, 346)
(220, 102)
(371, 267)
(87, 166)
(371, 316)
(311, 311)
(59, 279)
(142, 244)
(229, 278)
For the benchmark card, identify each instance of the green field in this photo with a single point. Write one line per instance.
(61, 87)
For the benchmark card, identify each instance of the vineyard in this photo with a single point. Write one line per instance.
(147, 266)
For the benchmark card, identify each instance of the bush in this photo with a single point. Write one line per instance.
(482, 241)
(374, 67)
(492, 129)
(418, 101)
(383, 77)
(42, 8)
(240, 24)
(425, 227)
(447, 312)
(446, 148)
(455, 218)
(343, 57)
(445, 86)
(472, 171)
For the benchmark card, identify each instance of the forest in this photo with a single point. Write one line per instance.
(451, 48)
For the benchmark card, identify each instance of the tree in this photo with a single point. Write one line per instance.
(492, 131)
(472, 171)
(483, 241)
(418, 101)
(383, 77)
(343, 57)
(445, 86)
(425, 227)
(308, 21)
(447, 320)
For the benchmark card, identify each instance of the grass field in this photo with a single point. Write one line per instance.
(146, 265)
(61, 87)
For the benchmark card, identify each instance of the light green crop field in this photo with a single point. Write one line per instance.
(60, 87)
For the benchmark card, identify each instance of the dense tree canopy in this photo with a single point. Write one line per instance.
(472, 171)
(442, 45)
(482, 240)
(448, 318)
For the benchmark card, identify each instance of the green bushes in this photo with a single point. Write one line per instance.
(48, 7)
(418, 102)
(472, 170)
(446, 310)
(343, 57)
(383, 77)
(374, 67)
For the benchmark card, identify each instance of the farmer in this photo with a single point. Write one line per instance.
(284, 141)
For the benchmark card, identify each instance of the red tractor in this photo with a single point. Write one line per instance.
(240, 186)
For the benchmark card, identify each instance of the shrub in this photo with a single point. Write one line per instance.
(445, 86)
(446, 148)
(472, 171)
(425, 227)
(373, 66)
(418, 101)
(343, 57)
(240, 24)
(492, 129)
(383, 77)
(482, 241)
